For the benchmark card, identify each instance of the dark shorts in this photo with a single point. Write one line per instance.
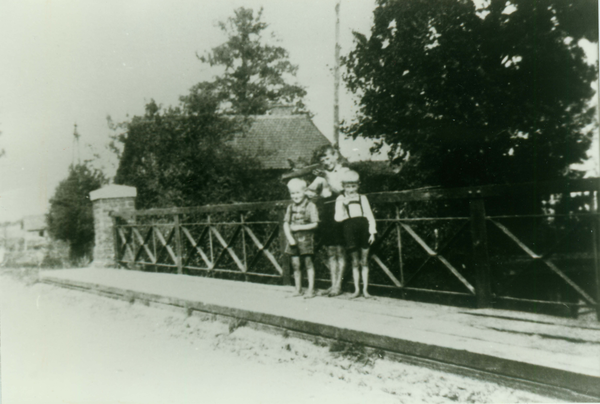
(356, 233)
(330, 231)
(304, 244)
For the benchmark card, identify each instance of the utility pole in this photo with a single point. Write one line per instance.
(336, 82)
(75, 147)
(597, 210)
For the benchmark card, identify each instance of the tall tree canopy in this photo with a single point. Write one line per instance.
(255, 73)
(70, 217)
(183, 156)
(477, 95)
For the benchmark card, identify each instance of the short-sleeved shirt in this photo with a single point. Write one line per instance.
(304, 213)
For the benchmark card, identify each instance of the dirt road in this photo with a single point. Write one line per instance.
(65, 346)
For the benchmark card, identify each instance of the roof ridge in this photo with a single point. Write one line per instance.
(280, 116)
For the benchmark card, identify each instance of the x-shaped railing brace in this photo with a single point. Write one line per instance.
(125, 245)
(165, 243)
(207, 261)
(378, 260)
(544, 258)
(227, 247)
(436, 254)
(143, 245)
(263, 248)
(429, 250)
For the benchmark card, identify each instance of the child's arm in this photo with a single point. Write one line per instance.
(286, 227)
(370, 218)
(314, 189)
(301, 227)
(288, 233)
(340, 210)
(314, 220)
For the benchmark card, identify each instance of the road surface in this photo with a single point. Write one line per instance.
(65, 346)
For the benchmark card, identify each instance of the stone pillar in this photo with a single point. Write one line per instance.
(109, 198)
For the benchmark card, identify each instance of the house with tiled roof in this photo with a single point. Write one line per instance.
(280, 137)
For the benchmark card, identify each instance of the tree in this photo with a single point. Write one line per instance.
(183, 156)
(71, 217)
(498, 94)
(255, 73)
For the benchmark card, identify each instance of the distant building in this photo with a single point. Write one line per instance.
(27, 233)
(24, 242)
(281, 137)
(11, 233)
(35, 226)
(35, 231)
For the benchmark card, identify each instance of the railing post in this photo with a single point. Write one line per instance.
(596, 241)
(246, 279)
(116, 245)
(399, 235)
(134, 242)
(285, 265)
(178, 246)
(154, 230)
(480, 254)
(210, 241)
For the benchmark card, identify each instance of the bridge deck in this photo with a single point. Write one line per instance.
(543, 351)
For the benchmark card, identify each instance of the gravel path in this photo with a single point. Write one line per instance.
(65, 346)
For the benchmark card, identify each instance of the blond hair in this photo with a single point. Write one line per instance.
(296, 184)
(350, 176)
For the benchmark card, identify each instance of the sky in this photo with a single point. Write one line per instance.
(67, 62)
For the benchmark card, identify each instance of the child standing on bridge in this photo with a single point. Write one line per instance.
(300, 220)
(328, 187)
(359, 228)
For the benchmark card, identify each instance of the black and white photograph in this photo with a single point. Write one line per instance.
(315, 201)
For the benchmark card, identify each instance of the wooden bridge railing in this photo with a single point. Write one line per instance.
(431, 242)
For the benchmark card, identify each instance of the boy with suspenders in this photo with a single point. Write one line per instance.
(358, 226)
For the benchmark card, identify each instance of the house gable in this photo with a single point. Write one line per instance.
(276, 139)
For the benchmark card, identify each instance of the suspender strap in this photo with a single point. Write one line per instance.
(359, 202)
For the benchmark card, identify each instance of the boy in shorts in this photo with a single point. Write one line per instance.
(300, 220)
(353, 211)
(328, 187)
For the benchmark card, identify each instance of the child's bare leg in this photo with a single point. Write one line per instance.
(355, 273)
(340, 253)
(332, 261)
(310, 271)
(364, 263)
(297, 275)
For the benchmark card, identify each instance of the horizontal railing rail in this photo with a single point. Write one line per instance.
(425, 194)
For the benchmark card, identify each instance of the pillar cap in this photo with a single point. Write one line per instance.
(113, 191)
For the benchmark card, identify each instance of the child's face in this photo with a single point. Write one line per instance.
(350, 188)
(329, 160)
(297, 195)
